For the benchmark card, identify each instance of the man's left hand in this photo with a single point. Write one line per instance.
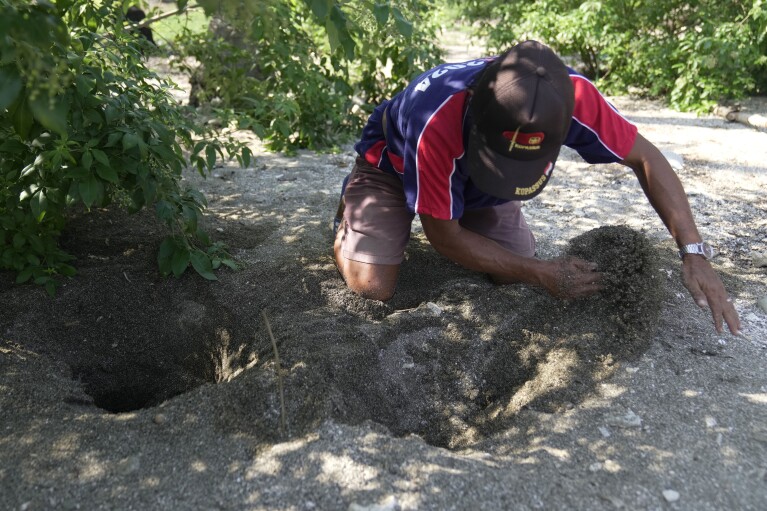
(708, 291)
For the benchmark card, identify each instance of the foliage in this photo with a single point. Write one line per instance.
(303, 74)
(84, 123)
(692, 53)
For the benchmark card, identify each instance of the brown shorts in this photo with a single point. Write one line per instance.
(376, 224)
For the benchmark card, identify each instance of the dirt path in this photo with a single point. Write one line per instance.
(128, 391)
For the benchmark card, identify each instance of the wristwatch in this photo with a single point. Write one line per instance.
(702, 249)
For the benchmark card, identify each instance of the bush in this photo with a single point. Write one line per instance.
(304, 75)
(84, 122)
(693, 54)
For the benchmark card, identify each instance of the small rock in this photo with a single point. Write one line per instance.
(434, 308)
(595, 467)
(128, 465)
(762, 303)
(604, 431)
(626, 420)
(160, 419)
(670, 495)
(759, 260)
(389, 504)
(675, 160)
(710, 422)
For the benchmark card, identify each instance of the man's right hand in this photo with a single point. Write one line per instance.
(569, 278)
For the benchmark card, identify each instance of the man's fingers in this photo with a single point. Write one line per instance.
(697, 293)
(732, 320)
(724, 312)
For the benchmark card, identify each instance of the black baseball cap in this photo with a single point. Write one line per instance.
(521, 110)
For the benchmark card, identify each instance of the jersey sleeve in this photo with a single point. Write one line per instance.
(598, 131)
(439, 146)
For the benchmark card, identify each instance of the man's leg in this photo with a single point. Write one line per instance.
(370, 243)
(372, 281)
(504, 224)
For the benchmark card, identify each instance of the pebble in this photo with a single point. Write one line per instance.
(626, 420)
(434, 308)
(670, 495)
(674, 159)
(710, 422)
(389, 504)
(762, 303)
(604, 431)
(759, 260)
(160, 418)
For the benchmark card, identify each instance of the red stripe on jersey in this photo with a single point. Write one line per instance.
(593, 111)
(397, 162)
(439, 145)
(373, 155)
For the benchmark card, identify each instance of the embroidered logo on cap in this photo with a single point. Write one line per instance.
(529, 190)
(526, 141)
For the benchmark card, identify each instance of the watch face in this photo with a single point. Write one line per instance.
(707, 250)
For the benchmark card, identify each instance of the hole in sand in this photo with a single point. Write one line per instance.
(149, 377)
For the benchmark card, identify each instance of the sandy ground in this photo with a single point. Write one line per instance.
(129, 391)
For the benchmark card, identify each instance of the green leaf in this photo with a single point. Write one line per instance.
(113, 139)
(84, 85)
(201, 263)
(51, 113)
(24, 275)
(246, 157)
(21, 117)
(107, 174)
(111, 113)
(39, 205)
(403, 25)
(87, 160)
(67, 270)
(50, 287)
(210, 156)
(321, 8)
(91, 191)
(19, 240)
(190, 218)
(198, 147)
(101, 157)
(179, 260)
(230, 263)
(10, 85)
(165, 255)
(130, 140)
(165, 210)
(381, 13)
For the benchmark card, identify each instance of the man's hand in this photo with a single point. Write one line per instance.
(569, 277)
(707, 290)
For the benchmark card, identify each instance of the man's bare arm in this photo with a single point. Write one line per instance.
(563, 278)
(666, 194)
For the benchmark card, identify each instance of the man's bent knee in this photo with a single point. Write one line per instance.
(371, 281)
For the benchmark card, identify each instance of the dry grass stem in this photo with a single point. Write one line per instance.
(283, 421)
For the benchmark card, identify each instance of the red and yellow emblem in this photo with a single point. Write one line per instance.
(526, 141)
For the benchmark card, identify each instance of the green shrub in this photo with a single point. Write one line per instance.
(693, 54)
(84, 122)
(305, 75)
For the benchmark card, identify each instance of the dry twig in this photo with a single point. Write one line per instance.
(283, 421)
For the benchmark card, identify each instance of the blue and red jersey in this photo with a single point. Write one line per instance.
(427, 128)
